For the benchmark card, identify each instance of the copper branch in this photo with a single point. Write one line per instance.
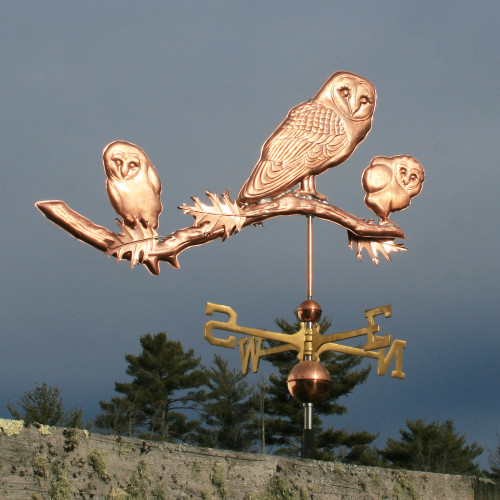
(168, 248)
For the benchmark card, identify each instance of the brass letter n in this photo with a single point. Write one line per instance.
(396, 349)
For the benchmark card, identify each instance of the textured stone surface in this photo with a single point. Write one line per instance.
(38, 465)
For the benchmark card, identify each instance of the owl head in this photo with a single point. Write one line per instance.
(352, 95)
(409, 174)
(123, 160)
(403, 171)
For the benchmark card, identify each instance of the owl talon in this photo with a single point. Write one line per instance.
(387, 222)
(308, 188)
(307, 194)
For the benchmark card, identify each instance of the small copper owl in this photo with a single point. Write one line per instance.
(133, 185)
(316, 135)
(391, 183)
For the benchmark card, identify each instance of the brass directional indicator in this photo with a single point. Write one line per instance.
(307, 341)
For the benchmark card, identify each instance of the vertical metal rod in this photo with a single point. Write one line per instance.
(308, 415)
(309, 257)
(308, 442)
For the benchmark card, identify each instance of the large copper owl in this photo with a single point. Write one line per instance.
(391, 183)
(315, 135)
(133, 185)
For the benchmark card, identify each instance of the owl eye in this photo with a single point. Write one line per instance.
(413, 177)
(133, 164)
(364, 100)
(403, 171)
(345, 92)
(117, 162)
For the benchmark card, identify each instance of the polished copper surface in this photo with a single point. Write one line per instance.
(309, 310)
(309, 256)
(132, 184)
(309, 382)
(374, 246)
(391, 183)
(221, 219)
(316, 135)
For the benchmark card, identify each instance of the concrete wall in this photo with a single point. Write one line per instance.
(42, 463)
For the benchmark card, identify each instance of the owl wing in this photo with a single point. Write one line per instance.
(154, 179)
(376, 177)
(114, 197)
(310, 137)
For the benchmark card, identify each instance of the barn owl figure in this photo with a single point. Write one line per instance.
(391, 183)
(133, 185)
(316, 135)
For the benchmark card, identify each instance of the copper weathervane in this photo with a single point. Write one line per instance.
(315, 136)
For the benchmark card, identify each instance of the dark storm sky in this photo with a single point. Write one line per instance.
(200, 86)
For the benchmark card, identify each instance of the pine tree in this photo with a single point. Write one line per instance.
(120, 415)
(228, 410)
(285, 422)
(166, 384)
(432, 447)
(44, 405)
(494, 463)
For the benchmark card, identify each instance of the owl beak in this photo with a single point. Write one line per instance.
(354, 106)
(124, 170)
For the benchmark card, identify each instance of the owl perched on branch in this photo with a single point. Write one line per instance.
(316, 135)
(391, 183)
(133, 185)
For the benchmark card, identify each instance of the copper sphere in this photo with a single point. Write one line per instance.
(309, 382)
(309, 310)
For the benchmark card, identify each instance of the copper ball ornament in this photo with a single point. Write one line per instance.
(309, 310)
(309, 382)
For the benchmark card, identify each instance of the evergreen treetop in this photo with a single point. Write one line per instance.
(432, 447)
(166, 383)
(44, 405)
(228, 411)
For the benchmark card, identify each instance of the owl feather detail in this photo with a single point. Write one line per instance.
(132, 184)
(315, 136)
